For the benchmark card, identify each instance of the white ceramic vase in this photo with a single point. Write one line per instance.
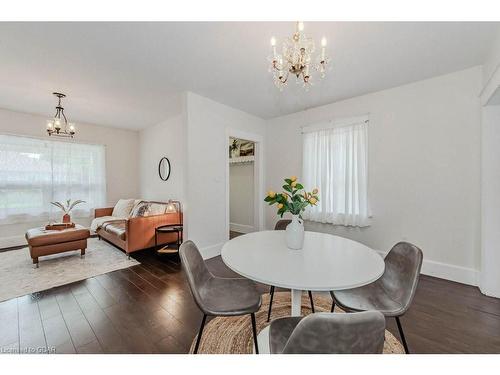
(295, 233)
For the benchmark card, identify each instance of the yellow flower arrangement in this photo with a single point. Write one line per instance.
(293, 199)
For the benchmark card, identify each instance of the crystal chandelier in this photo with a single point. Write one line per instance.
(297, 59)
(59, 126)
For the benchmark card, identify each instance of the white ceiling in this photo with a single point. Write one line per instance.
(128, 74)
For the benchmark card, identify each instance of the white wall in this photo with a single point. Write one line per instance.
(165, 139)
(122, 154)
(424, 168)
(490, 94)
(490, 174)
(493, 60)
(241, 197)
(206, 208)
(490, 201)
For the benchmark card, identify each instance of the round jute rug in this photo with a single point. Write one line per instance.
(233, 335)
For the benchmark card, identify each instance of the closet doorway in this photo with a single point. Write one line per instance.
(241, 154)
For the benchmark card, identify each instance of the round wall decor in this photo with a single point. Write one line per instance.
(164, 168)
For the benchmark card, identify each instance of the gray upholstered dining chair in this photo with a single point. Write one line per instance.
(393, 293)
(281, 225)
(327, 333)
(216, 296)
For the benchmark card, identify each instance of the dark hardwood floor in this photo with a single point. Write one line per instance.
(233, 234)
(148, 308)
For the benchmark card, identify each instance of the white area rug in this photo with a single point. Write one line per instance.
(18, 277)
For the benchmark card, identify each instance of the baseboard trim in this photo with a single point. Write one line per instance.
(447, 271)
(490, 292)
(451, 272)
(241, 228)
(211, 251)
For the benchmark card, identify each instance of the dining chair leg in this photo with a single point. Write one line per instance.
(333, 302)
(311, 300)
(200, 333)
(402, 335)
(271, 292)
(254, 329)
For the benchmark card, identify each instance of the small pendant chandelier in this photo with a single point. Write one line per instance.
(297, 59)
(59, 126)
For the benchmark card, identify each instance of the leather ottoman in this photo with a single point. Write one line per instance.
(46, 242)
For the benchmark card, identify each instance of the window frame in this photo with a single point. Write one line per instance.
(44, 213)
(336, 124)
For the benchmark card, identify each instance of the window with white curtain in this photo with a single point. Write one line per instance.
(335, 160)
(35, 172)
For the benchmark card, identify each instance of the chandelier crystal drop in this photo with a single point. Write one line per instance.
(59, 125)
(296, 58)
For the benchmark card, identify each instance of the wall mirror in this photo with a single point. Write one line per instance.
(164, 168)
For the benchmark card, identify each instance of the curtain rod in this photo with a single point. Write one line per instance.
(332, 124)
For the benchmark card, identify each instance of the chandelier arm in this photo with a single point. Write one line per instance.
(305, 77)
(285, 78)
(65, 119)
(277, 66)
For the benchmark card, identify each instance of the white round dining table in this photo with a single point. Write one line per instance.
(326, 262)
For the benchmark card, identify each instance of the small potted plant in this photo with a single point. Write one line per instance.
(293, 199)
(66, 208)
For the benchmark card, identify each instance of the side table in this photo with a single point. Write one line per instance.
(169, 228)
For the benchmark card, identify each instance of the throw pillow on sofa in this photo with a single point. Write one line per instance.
(141, 209)
(148, 208)
(157, 208)
(123, 207)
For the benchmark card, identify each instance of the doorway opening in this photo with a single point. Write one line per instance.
(241, 186)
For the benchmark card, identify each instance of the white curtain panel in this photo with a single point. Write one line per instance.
(35, 172)
(335, 160)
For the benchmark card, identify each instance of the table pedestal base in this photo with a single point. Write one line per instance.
(296, 302)
(263, 341)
